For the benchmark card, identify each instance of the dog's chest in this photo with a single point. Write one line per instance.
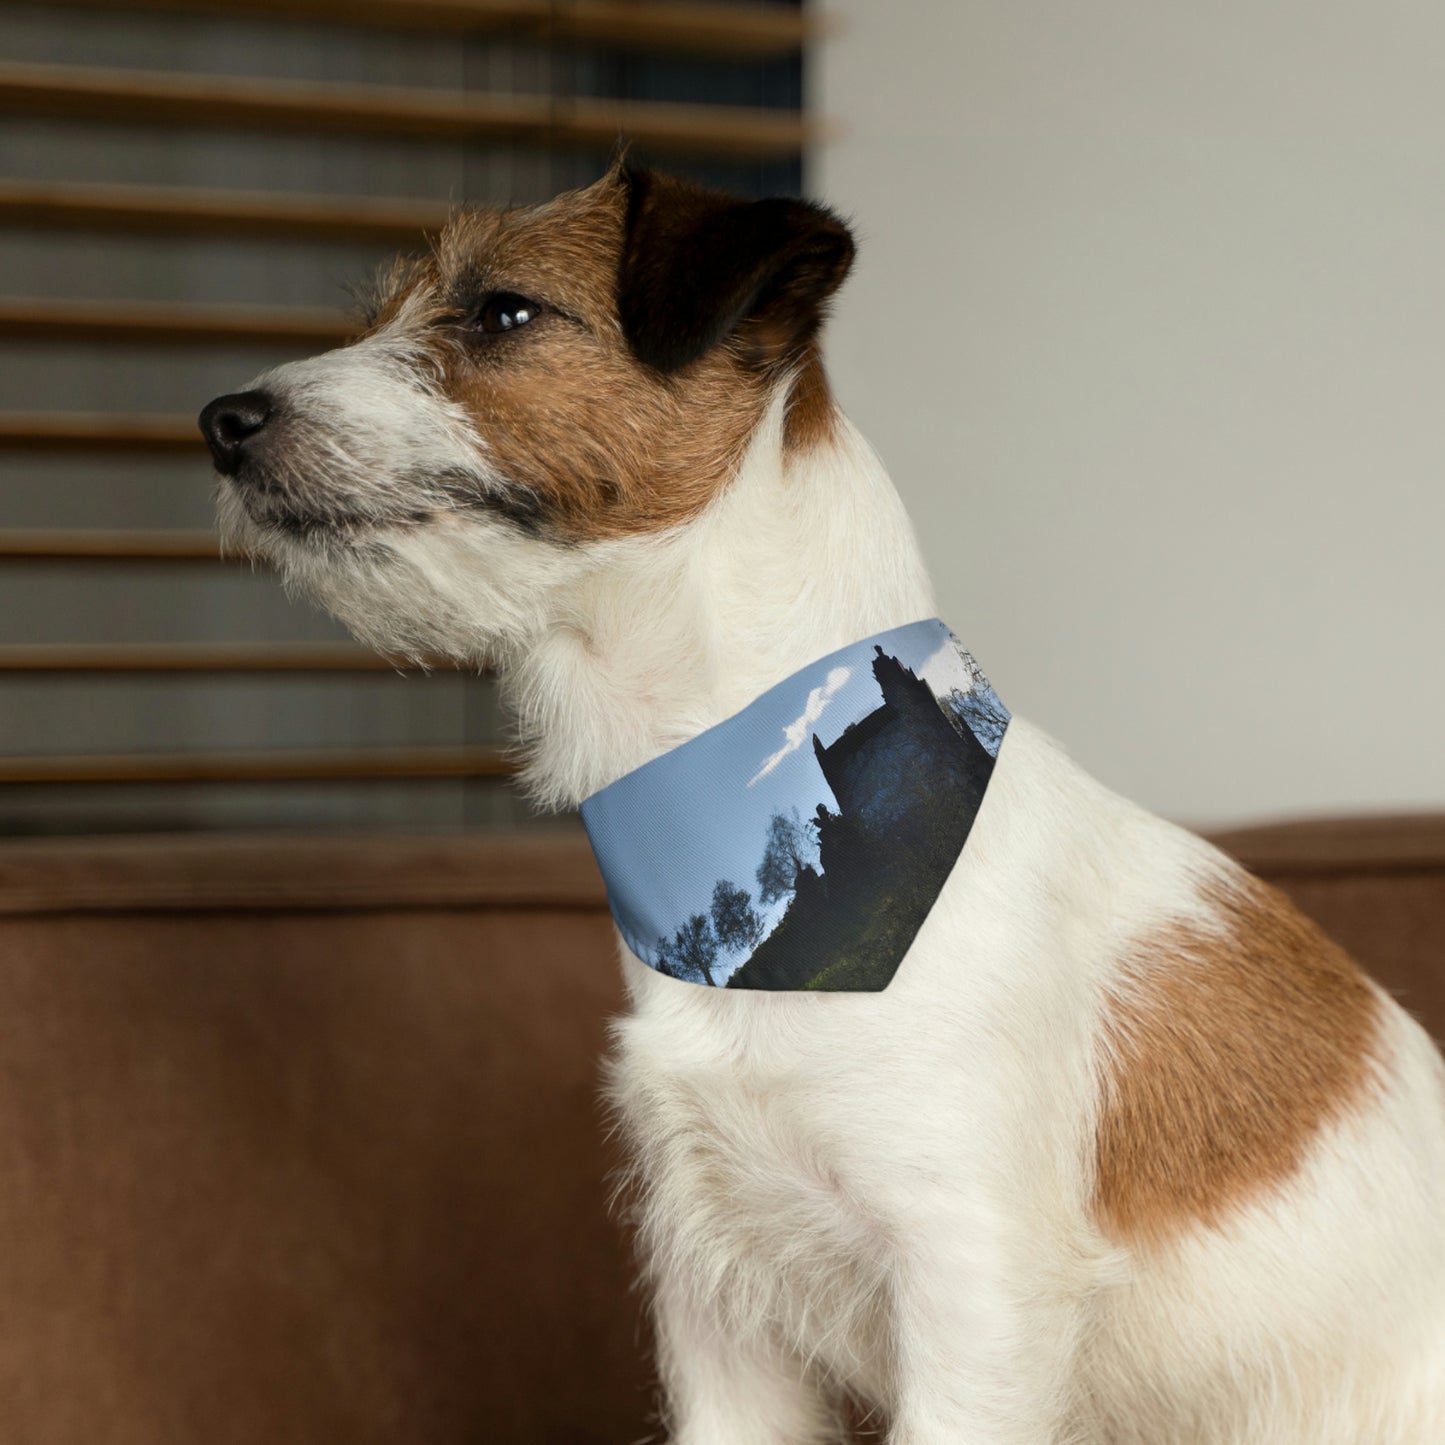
(749, 1185)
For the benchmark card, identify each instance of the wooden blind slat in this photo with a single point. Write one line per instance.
(95, 431)
(215, 101)
(753, 31)
(109, 546)
(190, 101)
(358, 764)
(757, 31)
(182, 657)
(176, 211)
(169, 323)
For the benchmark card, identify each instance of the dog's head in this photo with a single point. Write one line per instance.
(545, 382)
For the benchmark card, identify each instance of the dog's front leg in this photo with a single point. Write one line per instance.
(722, 1389)
(985, 1351)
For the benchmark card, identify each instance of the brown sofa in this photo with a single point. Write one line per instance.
(299, 1141)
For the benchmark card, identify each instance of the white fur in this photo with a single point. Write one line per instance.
(889, 1194)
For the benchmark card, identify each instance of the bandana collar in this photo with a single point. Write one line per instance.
(801, 843)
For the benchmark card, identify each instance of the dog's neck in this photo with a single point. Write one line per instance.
(803, 553)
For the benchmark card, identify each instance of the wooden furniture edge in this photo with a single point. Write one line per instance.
(331, 872)
(305, 873)
(1368, 843)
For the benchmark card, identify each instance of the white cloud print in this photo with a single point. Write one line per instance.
(795, 732)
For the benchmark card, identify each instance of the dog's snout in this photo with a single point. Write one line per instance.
(229, 422)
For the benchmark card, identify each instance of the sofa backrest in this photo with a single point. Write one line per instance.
(300, 1142)
(300, 1138)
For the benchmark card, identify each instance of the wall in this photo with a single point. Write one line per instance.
(1149, 324)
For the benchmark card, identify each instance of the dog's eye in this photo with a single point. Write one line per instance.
(505, 311)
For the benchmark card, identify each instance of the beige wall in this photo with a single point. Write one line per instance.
(1149, 324)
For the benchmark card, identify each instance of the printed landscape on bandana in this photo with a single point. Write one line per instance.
(802, 843)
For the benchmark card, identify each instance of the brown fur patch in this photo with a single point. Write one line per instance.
(1228, 1052)
(700, 266)
(596, 443)
(812, 413)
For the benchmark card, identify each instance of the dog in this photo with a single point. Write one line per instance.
(1127, 1153)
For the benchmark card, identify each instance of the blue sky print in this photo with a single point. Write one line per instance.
(801, 843)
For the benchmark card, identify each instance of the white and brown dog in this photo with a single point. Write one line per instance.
(1127, 1152)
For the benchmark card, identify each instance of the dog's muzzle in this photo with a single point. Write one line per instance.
(231, 424)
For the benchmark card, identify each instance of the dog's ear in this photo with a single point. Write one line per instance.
(699, 266)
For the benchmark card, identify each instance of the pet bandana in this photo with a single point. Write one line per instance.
(801, 843)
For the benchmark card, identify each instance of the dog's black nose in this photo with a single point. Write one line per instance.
(229, 422)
